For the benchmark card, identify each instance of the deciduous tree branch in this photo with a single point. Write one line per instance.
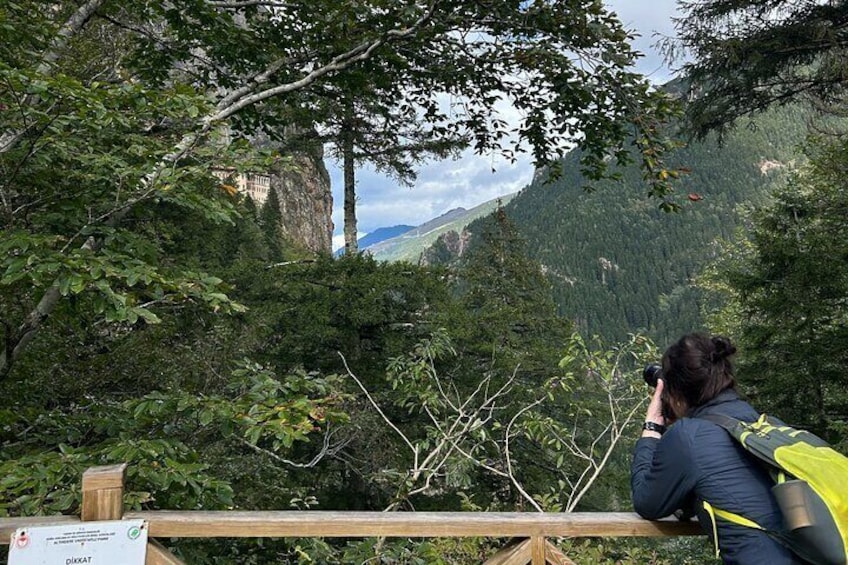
(68, 31)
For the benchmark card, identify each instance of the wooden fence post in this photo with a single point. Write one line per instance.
(516, 552)
(103, 493)
(537, 550)
(158, 554)
(103, 499)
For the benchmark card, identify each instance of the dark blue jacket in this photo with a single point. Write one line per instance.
(696, 460)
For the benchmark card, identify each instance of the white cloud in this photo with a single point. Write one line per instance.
(652, 20)
(441, 186)
(338, 240)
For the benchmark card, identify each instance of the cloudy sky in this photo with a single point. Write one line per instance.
(470, 180)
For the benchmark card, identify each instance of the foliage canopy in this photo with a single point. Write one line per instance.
(751, 54)
(111, 110)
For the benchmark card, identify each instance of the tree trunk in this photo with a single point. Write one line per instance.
(351, 245)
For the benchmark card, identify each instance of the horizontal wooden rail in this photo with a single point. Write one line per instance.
(103, 489)
(405, 524)
(9, 525)
(258, 524)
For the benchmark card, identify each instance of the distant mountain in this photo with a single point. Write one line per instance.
(457, 214)
(376, 236)
(410, 245)
(382, 234)
(619, 265)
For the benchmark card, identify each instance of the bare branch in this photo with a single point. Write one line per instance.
(507, 453)
(326, 451)
(361, 52)
(377, 407)
(238, 4)
(287, 263)
(573, 501)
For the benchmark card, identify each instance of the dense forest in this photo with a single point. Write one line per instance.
(619, 265)
(152, 314)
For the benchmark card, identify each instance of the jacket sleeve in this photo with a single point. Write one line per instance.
(661, 475)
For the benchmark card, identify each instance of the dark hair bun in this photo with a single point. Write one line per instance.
(723, 348)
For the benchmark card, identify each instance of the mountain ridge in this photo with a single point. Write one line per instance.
(410, 245)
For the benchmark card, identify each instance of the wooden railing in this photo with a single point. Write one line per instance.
(103, 487)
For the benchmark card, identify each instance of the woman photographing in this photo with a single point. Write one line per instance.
(676, 468)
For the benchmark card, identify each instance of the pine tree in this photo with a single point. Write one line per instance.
(270, 221)
(745, 56)
(788, 287)
(511, 315)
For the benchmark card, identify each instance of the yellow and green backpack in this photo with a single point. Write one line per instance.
(811, 487)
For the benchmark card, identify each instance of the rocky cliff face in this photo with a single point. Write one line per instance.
(306, 200)
(447, 249)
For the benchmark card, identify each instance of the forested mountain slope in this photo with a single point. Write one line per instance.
(620, 265)
(410, 245)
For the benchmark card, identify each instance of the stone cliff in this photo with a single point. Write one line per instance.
(306, 200)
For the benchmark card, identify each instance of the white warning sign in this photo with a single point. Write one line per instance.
(119, 542)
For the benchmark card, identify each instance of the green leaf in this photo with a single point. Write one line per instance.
(253, 435)
(147, 315)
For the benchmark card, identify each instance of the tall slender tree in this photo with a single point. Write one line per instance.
(511, 315)
(270, 220)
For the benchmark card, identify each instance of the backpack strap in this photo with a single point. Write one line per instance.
(730, 423)
(726, 422)
(714, 513)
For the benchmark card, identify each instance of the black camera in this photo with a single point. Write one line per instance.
(651, 373)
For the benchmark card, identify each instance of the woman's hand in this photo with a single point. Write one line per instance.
(655, 411)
